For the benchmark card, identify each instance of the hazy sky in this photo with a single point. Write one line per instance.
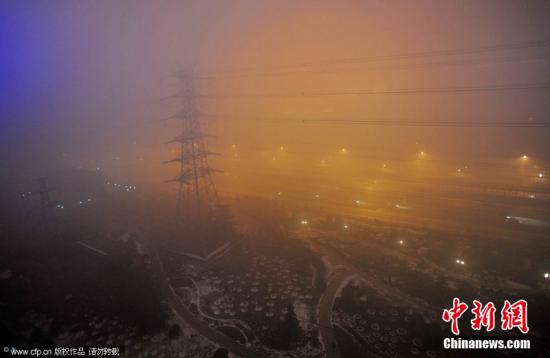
(82, 81)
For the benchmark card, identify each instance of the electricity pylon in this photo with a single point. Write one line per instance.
(47, 213)
(197, 195)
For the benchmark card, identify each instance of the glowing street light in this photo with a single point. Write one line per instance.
(460, 262)
(546, 275)
(525, 157)
(317, 196)
(541, 175)
(401, 242)
(304, 222)
(343, 150)
(281, 148)
(346, 227)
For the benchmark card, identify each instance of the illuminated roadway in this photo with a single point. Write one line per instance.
(326, 303)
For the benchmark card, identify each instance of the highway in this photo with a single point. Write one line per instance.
(324, 311)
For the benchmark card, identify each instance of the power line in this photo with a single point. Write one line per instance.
(404, 56)
(388, 122)
(340, 69)
(480, 124)
(397, 91)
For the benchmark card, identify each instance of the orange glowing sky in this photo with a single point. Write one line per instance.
(113, 62)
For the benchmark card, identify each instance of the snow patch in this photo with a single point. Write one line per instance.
(210, 255)
(313, 275)
(302, 314)
(330, 268)
(353, 279)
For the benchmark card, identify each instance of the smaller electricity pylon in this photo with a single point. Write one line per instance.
(47, 214)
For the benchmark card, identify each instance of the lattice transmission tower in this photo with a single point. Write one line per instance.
(47, 214)
(197, 195)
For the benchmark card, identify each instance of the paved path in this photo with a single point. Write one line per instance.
(345, 270)
(182, 312)
(339, 258)
(201, 327)
(386, 290)
(325, 306)
(136, 219)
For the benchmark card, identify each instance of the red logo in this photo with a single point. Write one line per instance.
(483, 316)
(512, 315)
(454, 314)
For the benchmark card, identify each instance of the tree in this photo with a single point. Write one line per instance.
(174, 332)
(221, 353)
(289, 332)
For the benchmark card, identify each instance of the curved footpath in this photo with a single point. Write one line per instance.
(326, 303)
(189, 319)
